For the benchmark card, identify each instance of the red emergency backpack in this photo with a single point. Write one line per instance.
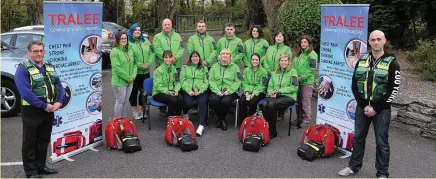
(254, 125)
(325, 134)
(71, 141)
(115, 129)
(181, 132)
(95, 131)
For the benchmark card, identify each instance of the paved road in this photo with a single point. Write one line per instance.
(219, 155)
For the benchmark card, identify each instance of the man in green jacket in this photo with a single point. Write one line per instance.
(168, 39)
(233, 43)
(204, 44)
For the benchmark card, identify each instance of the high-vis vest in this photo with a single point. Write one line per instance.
(43, 86)
(372, 81)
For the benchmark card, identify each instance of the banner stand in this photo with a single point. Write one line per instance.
(67, 156)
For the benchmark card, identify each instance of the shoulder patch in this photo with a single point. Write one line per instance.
(294, 81)
(240, 48)
(239, 76)
(312, 63)
(214, 45)
(181, 44)
(177, 77)
(151, 48)
(265, 81)
(265, 48)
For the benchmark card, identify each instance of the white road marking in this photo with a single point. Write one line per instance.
(11, 163)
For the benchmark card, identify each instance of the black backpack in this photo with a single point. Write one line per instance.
(252, 142)
(187, 142)
(310, 151)
(130, 143)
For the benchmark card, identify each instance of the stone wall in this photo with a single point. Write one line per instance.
(417, 116)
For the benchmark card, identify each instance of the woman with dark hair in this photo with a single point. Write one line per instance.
(143, 55)
(254, 86)
(282, 92)
(256, 44)
(194, 83)
(224, 80)
(123, 73)
(271, 59)
(166, 85)
(305, 62)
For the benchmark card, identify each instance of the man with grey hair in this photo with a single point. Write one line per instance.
(42, 94)
(375, 84)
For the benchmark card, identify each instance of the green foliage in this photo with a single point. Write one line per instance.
(13, 16)
(303, 17)
(423, 59)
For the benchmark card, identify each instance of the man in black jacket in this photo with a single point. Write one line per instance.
(375, 84)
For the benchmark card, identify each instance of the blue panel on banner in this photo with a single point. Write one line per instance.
(344, 33)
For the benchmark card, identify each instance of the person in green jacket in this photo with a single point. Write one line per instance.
(232, 43)
(305, 62)
(282, 92)
(204, 44)
(143, 55)
(254, 83)
(271, 59)
(168, 39)
(166, 85)
(194, 83)
(224, 81)
(256, 44)
(123, 73)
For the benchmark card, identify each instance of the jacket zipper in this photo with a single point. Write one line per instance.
(274, 57)
(193, 78)
(281, 79)
(128, 60)
(222, 79)
(142, 54)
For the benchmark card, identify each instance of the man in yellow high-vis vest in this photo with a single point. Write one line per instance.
(42, 94)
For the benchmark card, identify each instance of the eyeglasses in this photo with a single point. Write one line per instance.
(36, 52)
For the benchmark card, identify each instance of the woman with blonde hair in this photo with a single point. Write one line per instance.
(224, 81)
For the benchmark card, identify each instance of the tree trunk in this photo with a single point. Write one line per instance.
(166, 9)
(271, 8)
(35, 12)
(256, 13)
(213, 2)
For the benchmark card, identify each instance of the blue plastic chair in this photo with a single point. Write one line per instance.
(290, 115)
(148, 88)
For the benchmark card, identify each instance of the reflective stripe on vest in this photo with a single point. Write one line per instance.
(380, 78)
(38, 82)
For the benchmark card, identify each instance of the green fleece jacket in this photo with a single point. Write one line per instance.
(285, 82)
(305, 64)
(123, 66)
(192, 77)
(255, 82)
(163, 42)
(271, 59)
(143, 54)
(225, 77)
(165, 80)
(236, 47)
(206, 47)
(259, 46)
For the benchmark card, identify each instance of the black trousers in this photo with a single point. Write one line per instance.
(221, 105)
(37, 127)
(174, 103)
(251, 105)
(270, 108)
(138, 87)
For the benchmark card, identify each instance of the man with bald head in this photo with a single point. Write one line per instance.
(375, 83)
(168, 39)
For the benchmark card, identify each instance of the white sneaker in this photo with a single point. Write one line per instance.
(346, 172)
(136, 115)
(142, 114)
(200, 130)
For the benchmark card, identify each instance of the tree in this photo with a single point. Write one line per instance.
(271, 8)
(256, 14)
(35, 12)
(166, 8)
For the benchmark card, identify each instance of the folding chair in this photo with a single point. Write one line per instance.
(148, 99)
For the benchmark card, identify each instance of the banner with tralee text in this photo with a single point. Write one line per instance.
(73, 45)
(344, 34)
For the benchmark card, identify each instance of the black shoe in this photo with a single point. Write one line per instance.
(34, 176)
(273, 135)
(47, 170)
(218, 123)
(223, 125)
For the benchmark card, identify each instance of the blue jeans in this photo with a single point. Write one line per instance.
(201, 101)
(381, 123)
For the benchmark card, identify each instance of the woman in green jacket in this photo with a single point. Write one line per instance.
(194, 84)
(224, 81)
(143, 55)
(123, 73)
(255, 80)
(305, 62)
(282, 92)
(256, 44)
(166, 85)
(271, 59)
